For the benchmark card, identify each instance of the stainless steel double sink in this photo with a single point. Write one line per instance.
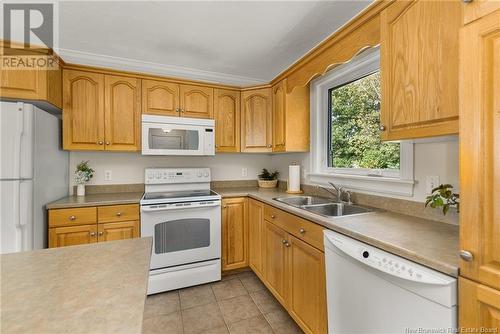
(323, 206)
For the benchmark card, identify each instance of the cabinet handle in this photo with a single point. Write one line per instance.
(269, 145)
(108, 143)
(119, 214)
(72, 217)
(182, 110)
(177, 109)
(283, 241)
(273, 216)
(302, 231)
(216, 146)
(224, 207)
(101, 233)
(100, 142)
(466, 256)
(467, 1)
(287, 244)
(92, 234)
(381, 127)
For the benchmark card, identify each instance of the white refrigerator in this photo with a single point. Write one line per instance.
(33, 172)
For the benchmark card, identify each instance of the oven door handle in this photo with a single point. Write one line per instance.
(178, 207)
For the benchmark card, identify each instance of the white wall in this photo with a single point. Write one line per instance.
(438, 157)
(129, 167)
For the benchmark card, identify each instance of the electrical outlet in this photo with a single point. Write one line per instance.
(244, 172)
(431, 182)
(108, 175)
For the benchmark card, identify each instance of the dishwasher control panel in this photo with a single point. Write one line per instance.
(387, 262)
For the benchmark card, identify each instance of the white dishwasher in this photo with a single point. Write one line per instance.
(373, 291)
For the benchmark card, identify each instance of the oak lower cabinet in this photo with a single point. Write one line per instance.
(419, 66)
(480, 173)
(290, 118)
(234, 233)
(100, 111)
(256, 120)
(276, 262)
(227, 120)
(76, 226)
(256, 232)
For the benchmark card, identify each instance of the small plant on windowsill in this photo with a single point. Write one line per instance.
(443, 196)
(268, 179)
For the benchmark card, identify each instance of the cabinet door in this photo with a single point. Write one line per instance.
(307, 297)
(122, 113)
(21, 84)
(234, 233)
(480, 150)
(196, 101)
(118, 231)
(160, 98)
(479, 307)
(256, 121)
(73, 235)
(419, 68)
(83, 110)
(276, 261)
(279, 114)
(227, 120)
(476, 9)
(256, 237)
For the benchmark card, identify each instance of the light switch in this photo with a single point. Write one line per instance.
(108, 175)
(244, 172)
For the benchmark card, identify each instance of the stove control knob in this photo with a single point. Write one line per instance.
(206, 174)
(199, 174)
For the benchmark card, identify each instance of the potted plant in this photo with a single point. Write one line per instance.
(268, 179)
(443, 196)
(83, 174)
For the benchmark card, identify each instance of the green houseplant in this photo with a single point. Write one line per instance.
(83, 174)
(443, 196)
(268, 179)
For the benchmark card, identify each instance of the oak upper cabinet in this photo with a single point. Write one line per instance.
(227, 120)
(234, 233)
(72, 235)
(479, 306)
(476, 9)
(256, 246)
(122, 110)
(256, 120)
(276, 261)
(160, 98)
(196, 101)
(307, 296)
(419, 68)
(480, 145)
(32, 85)
(290, 118)
(83, 110)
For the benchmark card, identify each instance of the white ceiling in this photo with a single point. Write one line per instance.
(234, 42)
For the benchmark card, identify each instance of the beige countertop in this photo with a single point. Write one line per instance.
(97, 288)
(430, 243)
(96, 200)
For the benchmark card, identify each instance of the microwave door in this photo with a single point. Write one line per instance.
(172, 139)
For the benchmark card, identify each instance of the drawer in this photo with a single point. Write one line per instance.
(72, 217)
(303, 229)
(117, 213)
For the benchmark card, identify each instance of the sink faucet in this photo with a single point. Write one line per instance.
(339, 192)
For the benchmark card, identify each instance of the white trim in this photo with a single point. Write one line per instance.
(388, 182)
(119, 63)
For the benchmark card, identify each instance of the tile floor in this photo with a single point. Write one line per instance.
(240, 303)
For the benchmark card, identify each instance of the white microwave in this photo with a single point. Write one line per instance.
(165, 135)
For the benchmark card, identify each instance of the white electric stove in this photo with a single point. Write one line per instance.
(183, 216)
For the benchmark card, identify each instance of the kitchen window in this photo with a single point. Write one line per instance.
(346, 146)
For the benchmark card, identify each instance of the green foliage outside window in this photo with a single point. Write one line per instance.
(355, 120)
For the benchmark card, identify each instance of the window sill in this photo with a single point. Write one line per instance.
(371, 184)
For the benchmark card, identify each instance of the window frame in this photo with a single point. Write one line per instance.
(398, 182)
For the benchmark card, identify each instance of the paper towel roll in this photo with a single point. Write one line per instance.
(294, 178)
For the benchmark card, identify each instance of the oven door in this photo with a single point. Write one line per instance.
(182, 232)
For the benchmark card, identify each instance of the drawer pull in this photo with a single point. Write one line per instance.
(119, 214)
(466, 256)
(273, 216)
(302, 231)
(72, 217)
(287, 244)
(92, 234)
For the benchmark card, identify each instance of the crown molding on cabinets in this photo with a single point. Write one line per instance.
(98, 60)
